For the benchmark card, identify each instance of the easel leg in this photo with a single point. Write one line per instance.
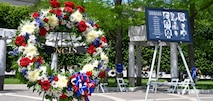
(187, 69)
(152, 67)
(158, 69)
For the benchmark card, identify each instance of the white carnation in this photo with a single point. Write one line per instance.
(33, 75)
(53, 21)
(31, 50)
(104, 57)
(28, 28)
(76, 16)
(62, 81)
(87, 67)
(92, 35)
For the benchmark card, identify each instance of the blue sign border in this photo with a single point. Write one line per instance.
(157, 37)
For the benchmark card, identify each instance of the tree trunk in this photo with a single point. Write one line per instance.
(118, 43)
(191, 46)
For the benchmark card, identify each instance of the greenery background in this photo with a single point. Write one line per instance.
(115, 18)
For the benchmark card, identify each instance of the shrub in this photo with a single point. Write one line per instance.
(11, 15)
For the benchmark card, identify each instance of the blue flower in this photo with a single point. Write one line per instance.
(96, 42)
(15, 52)
(91, 22)
(24, 72)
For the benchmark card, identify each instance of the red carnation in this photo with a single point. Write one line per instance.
(63, 96)
(35, 15)
(102, 74)
(91, 49)
(55, 78)
(24, 62)
(103, 39)
(69, 4)
(65, 16)
(46, 20)
(45, 85)
(82, 26)
(51, 11)
(68, 9)
(40, 59)
(55, 3)
(20, 40)
(89, 73)
(96, 25)
(81, 9)
(33, 60)
(58, 12)
(42, 31)
(39, 82)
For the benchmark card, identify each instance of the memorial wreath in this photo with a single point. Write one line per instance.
(54, 84)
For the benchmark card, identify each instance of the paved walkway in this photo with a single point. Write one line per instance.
(21, 93)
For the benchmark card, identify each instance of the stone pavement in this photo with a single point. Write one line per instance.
(21, 93)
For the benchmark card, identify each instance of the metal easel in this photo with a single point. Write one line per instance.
(158, 68)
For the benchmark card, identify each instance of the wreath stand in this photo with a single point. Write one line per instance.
(158, 68)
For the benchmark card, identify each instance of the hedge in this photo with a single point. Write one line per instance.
(11, 15)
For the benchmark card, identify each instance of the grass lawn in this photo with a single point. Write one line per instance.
(12, 80)
(200, 84)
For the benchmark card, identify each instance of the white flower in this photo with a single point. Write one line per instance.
(92, 35)
(43, 13)
(33, 75)
(43, 77)
(104, 57)
(21, 48)
(95, 63)
(76, 16)
(43, 69)
(89, 28)
(62, 81)
(53, 21)
(30, 50)
(28, 28)
(87, 67)
(32, 39)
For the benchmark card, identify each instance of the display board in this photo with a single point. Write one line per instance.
(168, 25)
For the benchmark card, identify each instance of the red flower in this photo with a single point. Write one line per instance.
(24, 62)
(91, 49)
(63, 96)
(58, 12)
(40, 59)
(46, 20)
(103, 39)
(55, 78)
(68, 9)
(102, 74)
(51, 11)
(35, 15)
(65, 16)
(33, 60)
(81, 9)
(39, 82)
(42, 31)
(89, 73)
(45, 85)
(55, 3)
(96, 25)
(82, 26)
(20, 40)
(69, 4)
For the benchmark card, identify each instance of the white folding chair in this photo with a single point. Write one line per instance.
(121, 84)
(173, 85)
(103, 87)
(153, 84)
(184, 86)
